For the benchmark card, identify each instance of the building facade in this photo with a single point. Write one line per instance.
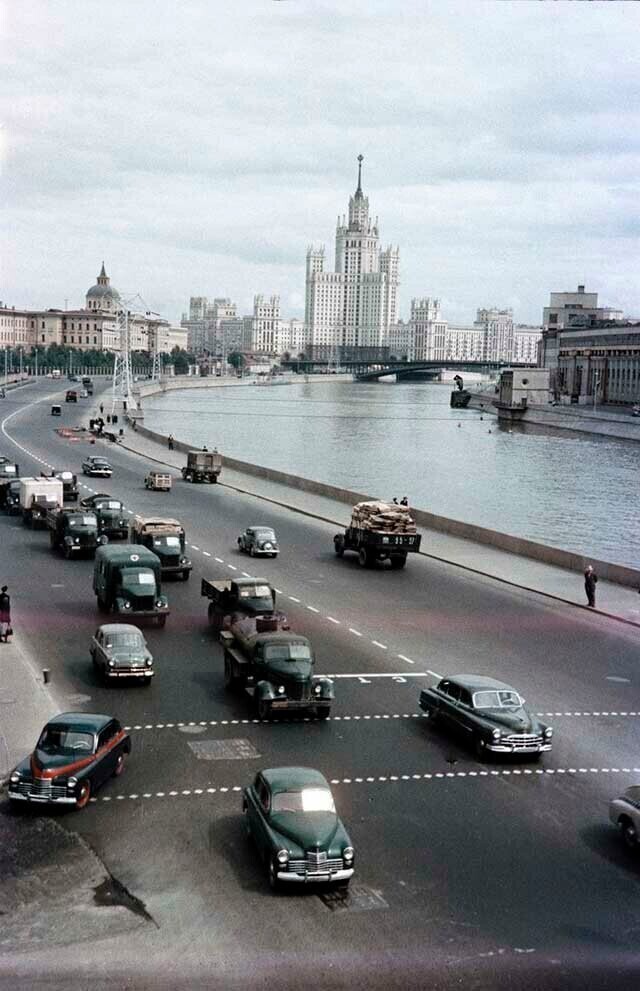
(566, 311)
(348, 312)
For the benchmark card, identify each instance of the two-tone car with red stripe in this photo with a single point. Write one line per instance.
(75, 754)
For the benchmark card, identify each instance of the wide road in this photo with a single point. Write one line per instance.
(468, 874)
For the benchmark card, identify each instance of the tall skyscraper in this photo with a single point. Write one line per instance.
(348, 312)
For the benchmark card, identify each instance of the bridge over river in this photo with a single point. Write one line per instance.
(371, 371)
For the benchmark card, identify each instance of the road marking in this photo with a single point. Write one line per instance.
(591, 715)
(313, 609)
(194, 546)
(219, 560)
(356, 633)
(434, 674)
(382, 646)
(281, 721)
(293, 598)
(232, 566)
(332, 620)
(378, 674)
(206, 553)
(537, 772)
(407, 659)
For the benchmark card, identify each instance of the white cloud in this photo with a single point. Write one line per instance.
(199, 148)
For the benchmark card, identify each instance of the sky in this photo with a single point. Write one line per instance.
(200, 147)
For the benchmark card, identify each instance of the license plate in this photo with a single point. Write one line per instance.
(279, 705)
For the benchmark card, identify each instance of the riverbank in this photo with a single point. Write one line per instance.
(579, 419)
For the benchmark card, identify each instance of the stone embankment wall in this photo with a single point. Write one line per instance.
(456, 528)
(577, 418)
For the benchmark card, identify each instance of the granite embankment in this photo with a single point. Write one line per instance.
(604, 422)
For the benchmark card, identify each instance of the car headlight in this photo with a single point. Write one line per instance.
(183, 560)
(267, 546)
(149, 661)
(317, 689)
(159, 603)
(548, 732)
(280, 689)
(71, 783)
(496, 734)
(123, 522)
(347, 853)
(126, 604)
(76, 540)
(15, 777)
(283, 856)
(112, 663)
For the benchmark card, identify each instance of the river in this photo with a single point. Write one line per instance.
(578, 492)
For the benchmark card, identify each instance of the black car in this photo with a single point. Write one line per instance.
(487, 713)
(97, 466)
(76, 753)
(10, 496)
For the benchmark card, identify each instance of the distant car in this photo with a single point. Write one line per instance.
(71, 396)
(56, 410)
(97, 466)
(259, 540)
(291, 817)
(84, 394)
(624, 812)
(73, 378)
(635, 410)
(112, 516)
(76, 753)
(119, 650)
(490, 715)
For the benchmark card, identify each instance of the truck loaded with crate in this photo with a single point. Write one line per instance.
(378, 532)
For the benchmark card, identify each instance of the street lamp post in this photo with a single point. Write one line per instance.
(596, 385)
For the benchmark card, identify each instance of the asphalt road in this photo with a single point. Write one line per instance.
(468, 874)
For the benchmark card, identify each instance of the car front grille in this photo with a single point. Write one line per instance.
(143, 603)
(315, 863)
(523, 739)
(171, 561)
(40, 788)
(298, 691)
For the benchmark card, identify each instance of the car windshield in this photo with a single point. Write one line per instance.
(288, 652)
(64, 740)
(112, 504)
(254, 592)
(8, 469)
(265, 534)
(138, 578)
(97, 463)
(120, 640)
(497, 700)
(82, 520)
(307, 800)
(166, 541)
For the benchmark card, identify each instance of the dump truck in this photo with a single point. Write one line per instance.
(379, 531)
(275, 668)
(236, 598)
(69, 483)
(166, 538)
(127, 582)
(202, 466)
(73, 532)
(37, 496)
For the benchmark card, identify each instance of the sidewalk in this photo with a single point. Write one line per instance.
(25, 706)
(616, 601)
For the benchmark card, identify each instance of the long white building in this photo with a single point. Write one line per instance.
(348, 312)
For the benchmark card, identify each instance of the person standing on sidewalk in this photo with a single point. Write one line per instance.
(590, 582)
(170, 442)
(5, 614)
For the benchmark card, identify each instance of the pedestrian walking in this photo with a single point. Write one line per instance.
(170, 442)
(101, 409)
(590, 581)
(395, 501)
(404, 501)
(5, 614)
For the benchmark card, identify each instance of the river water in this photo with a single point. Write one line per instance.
(577, 492)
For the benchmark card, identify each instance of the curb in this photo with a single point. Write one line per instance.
(433, 557)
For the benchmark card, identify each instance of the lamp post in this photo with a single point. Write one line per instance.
(21, 353)
(596, 385)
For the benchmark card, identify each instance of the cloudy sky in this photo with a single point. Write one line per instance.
(199, 147)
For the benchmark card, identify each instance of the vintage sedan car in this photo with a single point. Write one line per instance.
(10, 497)
(624, 812)
(97, 466)
(291, 817)
(487, 713)
(112, 516)
(76, 753)
(119, 650)
(71, 396)
(259, 540)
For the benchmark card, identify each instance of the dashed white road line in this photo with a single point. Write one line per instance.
(313, 609)
(293, 598)
(232, 567)
(365, 717)
(336, 622)
(407, 659)
(382, 646)
(206, 553)
(219, 560)
(356, 633)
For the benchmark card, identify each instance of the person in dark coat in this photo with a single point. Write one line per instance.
(590, 581)
(170, 442)
(404, 501)
(5, 614)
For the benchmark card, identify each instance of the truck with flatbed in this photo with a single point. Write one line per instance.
(202, 466)
(235, 598)
(166, 538)
(127, 582)
(379, 531)
(37, 497)
(73, 532)
(274, 668)
(69, 481)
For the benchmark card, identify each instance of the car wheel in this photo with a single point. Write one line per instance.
(247, 821)
(363, 558)
(274, 883)
(83, 795)
(162, 621)
(147, 681)
(480, 749)
(431, 716)
(264, 710)
(252, 552)
(119, 768)
(629, 833)
(338, 546)
(185, 576)
(324, 712)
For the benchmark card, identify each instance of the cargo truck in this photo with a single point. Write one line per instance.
(127, 582)
(69, 483)
(274, 668)
(379, 531)
(73, 532)
(202, 466)
(239, 597)
(37, 496)
(166, 538)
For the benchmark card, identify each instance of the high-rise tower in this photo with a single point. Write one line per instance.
(350, 310)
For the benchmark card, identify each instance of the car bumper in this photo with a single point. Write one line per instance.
(92, 473)
(175, 569)
(17, 796)
(279, 703)
(114, 531)
(142, 612)
(514, 748)
(130, 673)
(328, 877)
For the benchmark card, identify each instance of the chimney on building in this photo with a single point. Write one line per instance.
(580, 288)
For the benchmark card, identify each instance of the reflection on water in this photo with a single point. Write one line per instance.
(574, 491)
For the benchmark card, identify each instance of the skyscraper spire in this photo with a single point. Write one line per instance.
(359, 189)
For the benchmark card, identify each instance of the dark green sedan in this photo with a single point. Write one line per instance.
(291, 817)
(487, 713)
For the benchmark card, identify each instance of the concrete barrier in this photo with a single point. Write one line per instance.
(569, 560)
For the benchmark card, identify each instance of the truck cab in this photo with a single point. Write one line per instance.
(166, 538)
(127, 582)
(73, 532)
(69, 484)
(38, 496)
(233, 598)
